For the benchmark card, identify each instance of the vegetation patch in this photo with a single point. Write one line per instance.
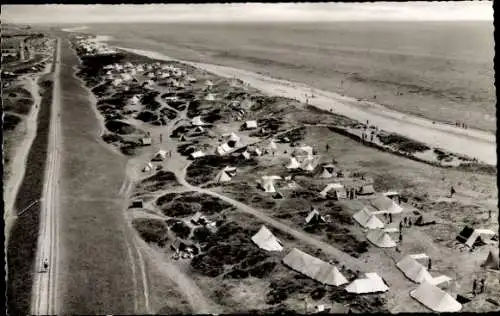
(402, 143)
(119, 127)
(152, 230)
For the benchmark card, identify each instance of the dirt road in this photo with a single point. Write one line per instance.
(473, 143)
(45, 289)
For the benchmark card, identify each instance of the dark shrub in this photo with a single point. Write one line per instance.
(181, 230)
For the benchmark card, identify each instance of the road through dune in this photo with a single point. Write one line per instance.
(472, 143)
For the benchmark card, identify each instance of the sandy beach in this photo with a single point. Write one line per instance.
(469, 142)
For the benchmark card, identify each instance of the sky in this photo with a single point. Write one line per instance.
(249, 12)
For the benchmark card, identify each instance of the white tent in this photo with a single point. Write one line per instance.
(294, 164)
(414, 270)
(314, 268)
(191, 79)
(148, 167)
(384, 204)
(371, 283)
(314, 214)
(230, 170)
(327, 171)
(340, 192)
(197, 154)
(199, 129)
(435, 299)
(257, 151)
(380, 239)
(250, 124)
(492, 261)
(223, 149)
(196, 121)
(182, 138)
(308, 164)
(161, 154)
(135, 99)
(222, 176)
(209, 83)
(264, 239)
(235, 138)
(485, 235)
(267, 183)
(246, 154)
(210, 97)
(368, 220)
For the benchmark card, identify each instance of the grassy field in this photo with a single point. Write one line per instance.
(24, 233)
(419, 76)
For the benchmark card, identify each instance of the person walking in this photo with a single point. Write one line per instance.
(474, 286)
(489, 214)
(400, 226)
(400, 237)
(409, 222)
(327, 147)
(429, 265)
(481, 289)
(161, 138)
(390, 217)
(452, 191)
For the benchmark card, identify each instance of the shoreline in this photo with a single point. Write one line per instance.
(473, 143)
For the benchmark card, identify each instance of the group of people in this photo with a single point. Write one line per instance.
(461, 124)
(351, 193)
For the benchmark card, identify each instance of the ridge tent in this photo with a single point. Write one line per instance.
(328, 171)
(210, 97)
(338, 189)
(370, 283)
(314, 216)
(435, 299)
(314, 268)
(148, 167)
(146, 141)
(492, 261)
(366, 189)
(380, 239)
(197, 154)
(414, 270)
(246, 154)
(257, 151)
(264, 239)
(293, 164)
(209, 83)
(250, 124)
(160, 155)
(222, 176)
(182, 138)
(268, 184)
(235, 138)
(308, 164)
(230, 170)
(196, 121)
(223, 149)
(199, 129)
(475, 237)
(384, 204)
(366, 219)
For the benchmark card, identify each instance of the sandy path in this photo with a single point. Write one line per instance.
(18, 160)
(473, 143)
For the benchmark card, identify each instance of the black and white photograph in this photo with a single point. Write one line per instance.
(250, 158)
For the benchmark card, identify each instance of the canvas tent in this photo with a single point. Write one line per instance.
(370, 283)
(303, 151)
(250, 124)
(233, 137)
(267, 183)
(314, 216)
(182, 138)
(196, 121)
(366, 219)
(384, 204)
(414, 270)
(475, 237)
(328, 171)
(197, 154)
(222, 176)
(336, 189)
(146, 141)
(196, 218)
(223, 149)
(245, 154)
(380, 239)
(230, 170)
(308, 164)
(199, 129)
(492, 261)
(314, 268)
(366, 189)
(272, 145)
(210, 97)
(435, 299)
(293, 164)
(264, 239)
(160, 155)
(148, 167)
